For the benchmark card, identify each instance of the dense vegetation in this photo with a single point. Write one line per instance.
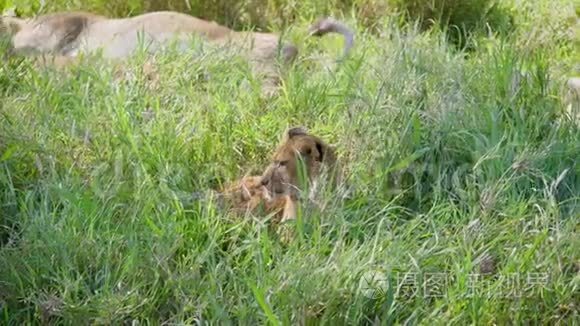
(460, 157)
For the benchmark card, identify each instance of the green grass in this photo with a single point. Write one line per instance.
(449, 158)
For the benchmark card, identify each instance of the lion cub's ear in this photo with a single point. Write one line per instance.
(11, 25)
(327, 154)
(321, 151)
(296, 131)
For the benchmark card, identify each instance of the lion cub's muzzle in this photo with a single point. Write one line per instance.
(275, 180)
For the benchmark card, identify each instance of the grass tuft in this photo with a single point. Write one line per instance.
(460, 194)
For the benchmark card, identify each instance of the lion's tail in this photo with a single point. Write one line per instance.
(330, 25)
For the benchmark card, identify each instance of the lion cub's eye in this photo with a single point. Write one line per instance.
(283, 163)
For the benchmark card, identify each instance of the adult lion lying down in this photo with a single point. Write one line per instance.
(278, 189)
(66, 34)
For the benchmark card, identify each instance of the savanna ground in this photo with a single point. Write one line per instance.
(460, 159)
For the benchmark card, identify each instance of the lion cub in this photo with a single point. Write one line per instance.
(280, 186)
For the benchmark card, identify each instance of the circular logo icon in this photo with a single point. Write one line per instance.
(373, 284)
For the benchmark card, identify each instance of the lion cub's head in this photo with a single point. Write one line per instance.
(283, 175)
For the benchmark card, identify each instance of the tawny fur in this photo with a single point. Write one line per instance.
(248, 194)
(71, 33)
